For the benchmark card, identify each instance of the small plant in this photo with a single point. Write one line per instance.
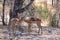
(54, 21)
(43, 11)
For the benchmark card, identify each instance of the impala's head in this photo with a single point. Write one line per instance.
(15, 21)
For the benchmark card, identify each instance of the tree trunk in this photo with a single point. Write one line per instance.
(3, 13)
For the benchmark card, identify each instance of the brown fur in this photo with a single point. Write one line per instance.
(15, 21)
(31, 20)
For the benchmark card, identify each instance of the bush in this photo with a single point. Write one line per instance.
(43, 11)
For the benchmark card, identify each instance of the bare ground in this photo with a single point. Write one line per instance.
(49, 33)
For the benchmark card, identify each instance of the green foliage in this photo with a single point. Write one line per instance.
(54, 20)
(43, 11)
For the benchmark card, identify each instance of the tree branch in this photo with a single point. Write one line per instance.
(26, 7)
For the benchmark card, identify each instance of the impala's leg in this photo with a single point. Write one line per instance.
(29, 27)
(11, 32)
(12, 29)
(39, 26)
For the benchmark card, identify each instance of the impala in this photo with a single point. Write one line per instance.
(30, 20)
